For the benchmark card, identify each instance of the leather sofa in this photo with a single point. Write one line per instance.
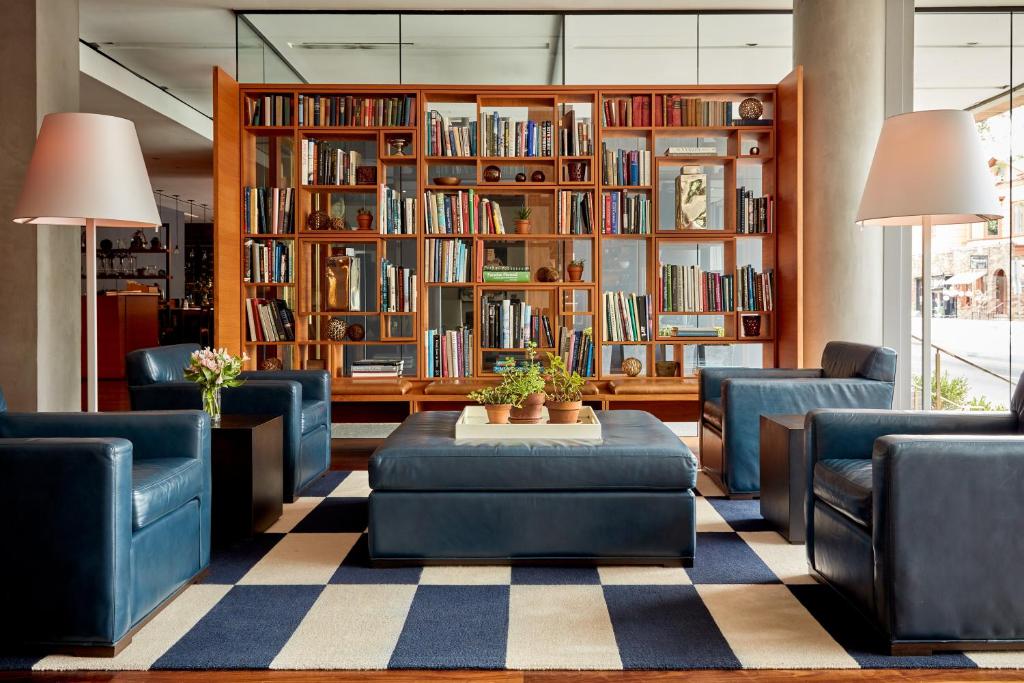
(915, 518)
(108, 518)
(156, 381)
(732, 401)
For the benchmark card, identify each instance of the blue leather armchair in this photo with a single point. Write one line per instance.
(108, 518)
(733, 400)
(156, 381)
(915, 518)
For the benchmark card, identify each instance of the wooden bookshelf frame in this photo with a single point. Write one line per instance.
(781, 176)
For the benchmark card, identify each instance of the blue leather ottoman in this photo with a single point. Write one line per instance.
(625, 500)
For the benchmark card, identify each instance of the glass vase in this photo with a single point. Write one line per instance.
(211, 404)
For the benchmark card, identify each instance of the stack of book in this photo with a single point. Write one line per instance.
(269, 110)
(626, 167)
(377, 368)
(449, 137)
(697, 332)
(505, 273)
(397, 213)
(634, 110)
(510, 323)
(449, 353)
(627, 316)
(462, 213)
(269, 210)
(679, 110)
(756, 290)
(447, 261)
(689, 289)
(575, 213)
(504, 137)
(268, 261)
(397, 288)
(575, 136)
(269, 320)
(754, 215)
(324, 163)
(352, 110)
(626, 214)
(576, 348)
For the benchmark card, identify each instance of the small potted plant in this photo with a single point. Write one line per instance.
(565, 397)
(524, 384)
(523, 222)
(495, 401)
(575, 270)
(364, 218)
(213, 370)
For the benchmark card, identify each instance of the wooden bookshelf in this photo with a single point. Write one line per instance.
(265, 155)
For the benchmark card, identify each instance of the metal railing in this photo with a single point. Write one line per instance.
(938, 401)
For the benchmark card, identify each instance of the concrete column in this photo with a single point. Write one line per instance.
(841, 45)
(40, 266)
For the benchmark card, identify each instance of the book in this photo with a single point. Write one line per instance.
(268, 261)
(506, 274)
(575, 213)
(575, 136)
(268, 210)
(504, 137)
(357, 110)
(682, 111)
(756, 291)
(754, 215)
(327, 162)
(396, 213)
(397, 288)
(268, 110)
(628, 111)
(445, 137)
(269, 320)
(699, 150)
(627, 316)
(447, 260)
(625, 167)
(698, 332)
(689, 289)
(461, 213)
(626, 214)
(509, 323)
(449, 353)
(576, 348)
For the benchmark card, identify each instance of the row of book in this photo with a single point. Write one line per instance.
(268, 210)
(269, 320)
(462, 213)
(397, 288)
(575, 213)
(268, 110)
(627, 316)
(448, 261)
(626, 167)
(681, 110)
(324, 163)
(447, 137)
(511, 323)
(517, 274)
(756, 290)
(754, 215)
(268, 261)
(575, 136)
(356, 110)
(632, 110)
(576, 347)
(377, 368)
(691, 289)
(504, 137)
(449, 352)
(626, 214)
(397, 214)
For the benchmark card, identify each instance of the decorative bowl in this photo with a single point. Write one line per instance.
(447, 180)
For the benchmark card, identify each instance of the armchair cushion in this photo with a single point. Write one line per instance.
(162, 485)
(158, 364)
(713, 413)
(845, 485)
(847, 359)
(314, 414)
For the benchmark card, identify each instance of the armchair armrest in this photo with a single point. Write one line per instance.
(711, 378)
(316, 384)
(947, 511)
(68, 506)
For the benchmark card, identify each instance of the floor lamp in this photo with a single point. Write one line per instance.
(87, 169)
(929, 169)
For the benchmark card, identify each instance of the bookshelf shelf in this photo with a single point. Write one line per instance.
(568, 121)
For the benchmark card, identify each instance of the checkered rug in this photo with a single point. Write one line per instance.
(302, 596)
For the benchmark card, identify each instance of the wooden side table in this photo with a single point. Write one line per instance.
(248, 473)
(784, 475)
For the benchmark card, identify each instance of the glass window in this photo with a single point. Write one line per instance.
(630, 48)
(745, 48)
(257, 61)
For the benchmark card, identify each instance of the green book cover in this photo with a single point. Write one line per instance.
(506, 276)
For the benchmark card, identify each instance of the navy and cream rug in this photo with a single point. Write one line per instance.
(301, 596)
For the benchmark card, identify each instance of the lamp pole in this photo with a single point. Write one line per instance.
(926, 313)
(91, 366)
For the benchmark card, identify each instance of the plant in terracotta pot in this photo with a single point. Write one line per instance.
(523, 222)
(524, 383)
(575, 270)
(565, 396)
(365, 219)
(495, 401)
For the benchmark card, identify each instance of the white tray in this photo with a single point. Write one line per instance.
(472, 426)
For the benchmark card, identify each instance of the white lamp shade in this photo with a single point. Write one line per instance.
(87, 166)
(929, 163)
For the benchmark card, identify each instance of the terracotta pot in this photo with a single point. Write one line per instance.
(564, 413)
(523, 226)
(575, 273)
(531, 411)
(497, 414)
(365, 221)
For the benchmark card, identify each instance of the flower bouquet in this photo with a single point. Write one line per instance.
(212, 370)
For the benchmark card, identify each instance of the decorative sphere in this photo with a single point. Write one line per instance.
(271, 364)
(755, 150)
(520, 177)
(751, 108)
(492, 174)
(336, 329)
(356, 332)
(547, 274)
(632, 367)
(537, 177)
(319, 220)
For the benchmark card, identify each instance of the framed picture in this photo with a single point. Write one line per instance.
(692, 198)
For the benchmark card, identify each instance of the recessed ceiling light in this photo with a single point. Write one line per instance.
(751, 44)
(972, 43)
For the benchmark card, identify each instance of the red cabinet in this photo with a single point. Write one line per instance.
(124, 323)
